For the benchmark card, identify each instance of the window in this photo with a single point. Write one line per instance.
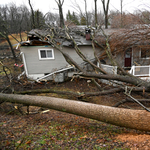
(145, 53)
(46, 54)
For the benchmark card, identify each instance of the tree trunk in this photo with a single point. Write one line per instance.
(77, 94)
(32, 12)
(61, 16)
(135, 119)
(96, 20)
(128, 79)
(121, 24)
(106, 8)
(87, 20)
(12, 49)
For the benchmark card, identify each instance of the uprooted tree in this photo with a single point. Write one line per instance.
(110, 46)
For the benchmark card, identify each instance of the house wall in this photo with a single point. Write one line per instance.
(118, 57)
(36, 66)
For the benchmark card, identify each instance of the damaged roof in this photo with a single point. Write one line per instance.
(60, 36)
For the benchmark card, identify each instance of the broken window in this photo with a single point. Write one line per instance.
(46, 54)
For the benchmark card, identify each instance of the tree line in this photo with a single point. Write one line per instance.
(17, 19)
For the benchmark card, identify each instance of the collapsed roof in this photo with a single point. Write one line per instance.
(60, 36)
(79, 34)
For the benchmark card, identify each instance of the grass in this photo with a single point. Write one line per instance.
(13, 41)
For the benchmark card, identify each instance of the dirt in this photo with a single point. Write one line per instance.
(135, 141)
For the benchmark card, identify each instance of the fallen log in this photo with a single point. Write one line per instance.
(135, 119)
(77, 94)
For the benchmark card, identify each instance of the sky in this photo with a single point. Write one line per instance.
(50, 5)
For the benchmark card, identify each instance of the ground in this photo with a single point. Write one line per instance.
(58, 130)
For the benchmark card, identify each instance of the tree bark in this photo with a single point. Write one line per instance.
(127, 79)
(106, 8)
(87, 20)
(32, 12)
(11, 47)
(135, 119)
(60, 4)
(96, 20)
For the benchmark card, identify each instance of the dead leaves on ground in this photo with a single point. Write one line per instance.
(57, 130)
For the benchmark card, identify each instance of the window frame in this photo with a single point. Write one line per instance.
(46, 58)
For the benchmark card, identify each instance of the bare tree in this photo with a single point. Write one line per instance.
(96, 19)
(26, 23)
(51, 18)
(4, 29)
(85, 16)
(121, 4)
(128, 20)
(106, 8)
(60, 4)
(14, 20)
(32, 12)
(87, 23)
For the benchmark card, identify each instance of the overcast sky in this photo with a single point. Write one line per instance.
(50, 5)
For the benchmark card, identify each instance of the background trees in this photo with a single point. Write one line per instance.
(72, 17)
(60, 4)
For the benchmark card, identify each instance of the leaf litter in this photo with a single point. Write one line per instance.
(59, 130)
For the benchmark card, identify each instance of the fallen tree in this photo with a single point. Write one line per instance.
(77, 94)
(110, 45)
(134, 119)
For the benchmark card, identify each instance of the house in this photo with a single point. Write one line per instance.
(128, 46)
(42, 61)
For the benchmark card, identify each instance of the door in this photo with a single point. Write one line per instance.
(128, 58)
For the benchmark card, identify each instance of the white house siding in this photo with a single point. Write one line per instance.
(36, 66)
